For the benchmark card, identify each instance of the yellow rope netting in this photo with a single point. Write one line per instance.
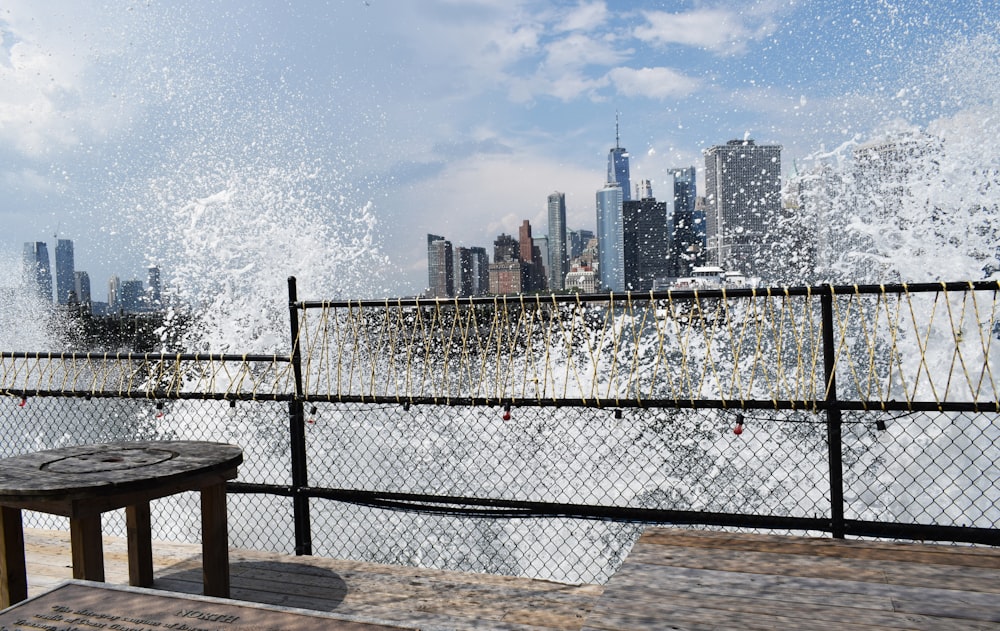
(763, 346)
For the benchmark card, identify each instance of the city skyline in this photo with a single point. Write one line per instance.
(72, 286)
(119, 124)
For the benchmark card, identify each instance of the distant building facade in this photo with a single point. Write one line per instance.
(558, 250)
(154, 289)
(743, 201)
(610, 238)
(480, 271)
(687, 226)
(440, 267)
(65, 280)
(645, 240)
(81, 285)
(132, 294)
(618, 168)
(531, 255)
(115, 303)
(38, 269)
(507, 271)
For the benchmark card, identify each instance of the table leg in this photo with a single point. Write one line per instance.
(215, 541)
(13, 577)
(88, 552)
(140, 545)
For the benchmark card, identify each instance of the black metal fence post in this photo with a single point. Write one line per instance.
(297, 433)
(833, 417)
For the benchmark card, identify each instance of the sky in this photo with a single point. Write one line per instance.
(452, 117)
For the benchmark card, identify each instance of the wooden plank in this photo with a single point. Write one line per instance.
(215, 540)
(87, 548)
(841, 548)
(661, 602)
(902, 573)
(140, 548)
(13, 575)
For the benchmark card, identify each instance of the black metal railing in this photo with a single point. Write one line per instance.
(438, 431)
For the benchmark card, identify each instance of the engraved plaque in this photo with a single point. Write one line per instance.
(87, 606)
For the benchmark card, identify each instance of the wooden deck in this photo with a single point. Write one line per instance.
(673, 579)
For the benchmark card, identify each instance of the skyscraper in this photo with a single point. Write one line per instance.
(532, 255)
(114, 295)
(36, 266)
(507, 271)
(154, 291)
(743, 201)
(440, 267)
(558, 255)
(618, 166)
(81, 284)
(645, 241)
(687, 231)
(480, 271)
(65, 281)
(463, 272)
(131, 297)
(577, 241)
(610, 243)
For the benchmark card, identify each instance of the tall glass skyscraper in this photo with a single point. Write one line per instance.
(558, 255)
(687, 226)
(37, 268)
(610, 238)
(65, 281)
(618, 166)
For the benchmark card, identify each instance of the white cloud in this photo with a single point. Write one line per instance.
(584, 17)
(51, 94)
(721, 31)
(654, 83)
(577, 51)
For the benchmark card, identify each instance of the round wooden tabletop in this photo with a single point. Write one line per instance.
(111, 468)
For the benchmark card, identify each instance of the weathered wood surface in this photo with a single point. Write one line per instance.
(91, 471)
(683, 579)
(81, 482)
(673, 579)
(425, 598)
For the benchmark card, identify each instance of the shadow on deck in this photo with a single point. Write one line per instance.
(672, 579)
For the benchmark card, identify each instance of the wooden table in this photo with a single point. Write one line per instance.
(84, 481)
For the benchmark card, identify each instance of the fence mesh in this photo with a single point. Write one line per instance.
(711, 404)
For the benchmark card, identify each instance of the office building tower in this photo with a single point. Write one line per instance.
(154, 289)
(81, 285)
(65, 281)
(577, 241)
(440, 267)
(131, 297)
(506, 248)
(463, 272)
(645, 241)
(37, 269)
(531, 254)
(687, 227)
(618, 171)
(507, 271)
(743, 204)
(610, 238)
(480, 271)
(114, 295)
(558, 251)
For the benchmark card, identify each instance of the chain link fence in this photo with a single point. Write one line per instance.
(546, 445)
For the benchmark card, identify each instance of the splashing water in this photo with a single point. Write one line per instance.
(917, 202)
(231, 237)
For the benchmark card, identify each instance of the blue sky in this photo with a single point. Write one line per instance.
(456, 117)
